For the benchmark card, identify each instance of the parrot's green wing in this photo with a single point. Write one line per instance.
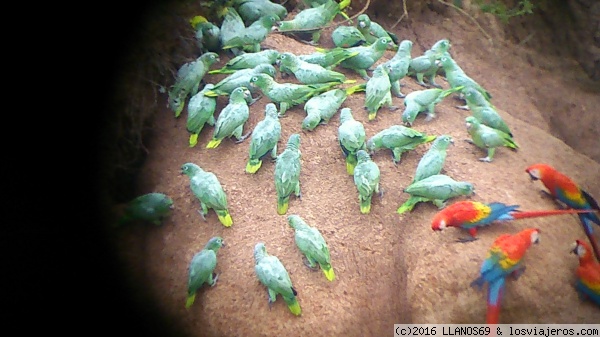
(232, 118)
(207, 188)
(433, 160)
(347, 37)
(378, 91)
(321, 108)
(312, 244)
(247, 61)
(252, 10)
(201, 109)
(200, 272)
(232, 26)
(151, 207)
(264, 139)
(439, 188)
(273, 275)
(366, 179)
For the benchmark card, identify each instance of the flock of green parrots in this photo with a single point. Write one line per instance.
(251, 74)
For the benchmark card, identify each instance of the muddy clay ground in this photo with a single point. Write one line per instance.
(390, 268)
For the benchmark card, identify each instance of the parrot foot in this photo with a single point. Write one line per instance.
(423, 84)
(463, 107)
(518, 272)
(392, 108)
(400, 95)
(433, 84)
(465, 240)
(202, 215)
(429, 117)
(242, 138)
(381, 193)
(255, 99)
(470, 141)
(215, 278)
(307, 263)
(270, 303)
(312, 43)
(486, 159)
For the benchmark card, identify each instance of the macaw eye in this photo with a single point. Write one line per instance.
(535, 237)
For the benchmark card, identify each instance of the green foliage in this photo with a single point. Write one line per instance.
(500, 9)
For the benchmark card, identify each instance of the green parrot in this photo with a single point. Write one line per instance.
(433, 160)
(313, 3)
(425, 66)
(347, 36)
(457, 77)
(326, 58)
(287, 95)
(241, 78)
(264, 139)
(201, 269)
(232, 118)
(366, 57)
(366, 178)
(201, 111)
(351, 136)
(312, 244)
(308, 73)
(378, 91)
(437, 188)
(483, 110)
(253, 10)
(424, 100)
(248, 61)
(253, 35)
(273, 275)
(312, 20)
(188, 80)
(287, 173)
(232, 28)
(488, 138)
(208, 35)
(398, 139)
(372, 31)
(398, 66)
(319, 109)
(149, 207)
(208, 190)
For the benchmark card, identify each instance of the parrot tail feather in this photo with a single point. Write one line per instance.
(213, 143)
(225, 217)
(329, 273)
(221, 71)
(294, 307)
(372, 115)
(430, 138)
(351, 162)
(253, 165)
(190, 300)
(178, 110)
(211, 93)
(282, 205)
(365, 206)
(349, 81)
(409, 204)
(535, 214)
(495, 290)
(356, 88)
(344, 3)
(193, 139)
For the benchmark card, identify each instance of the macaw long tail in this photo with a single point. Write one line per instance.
(495, 291)
(534, 214)
(587, 228)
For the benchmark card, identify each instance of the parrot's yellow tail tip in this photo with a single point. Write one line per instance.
(295, 308)
(282, 208)
(372, 115)
(350, 168)
(329, 274)
(226, 219)
(365, 209)
(402, 209)
(189, 301)
(193, 140)
(430, 138)
(178, 111)
(253, 167)
(213, 143)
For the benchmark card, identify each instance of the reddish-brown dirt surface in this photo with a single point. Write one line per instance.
(390, 268)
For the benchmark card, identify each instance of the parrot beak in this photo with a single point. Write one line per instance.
(223, 243)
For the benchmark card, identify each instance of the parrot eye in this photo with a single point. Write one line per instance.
(535, 237)
(254, 79)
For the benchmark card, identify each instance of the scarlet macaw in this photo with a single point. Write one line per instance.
(588, 272)
(564, 189)
(471, 215)
(503, 259)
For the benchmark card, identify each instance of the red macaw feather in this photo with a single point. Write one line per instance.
(535, 214)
